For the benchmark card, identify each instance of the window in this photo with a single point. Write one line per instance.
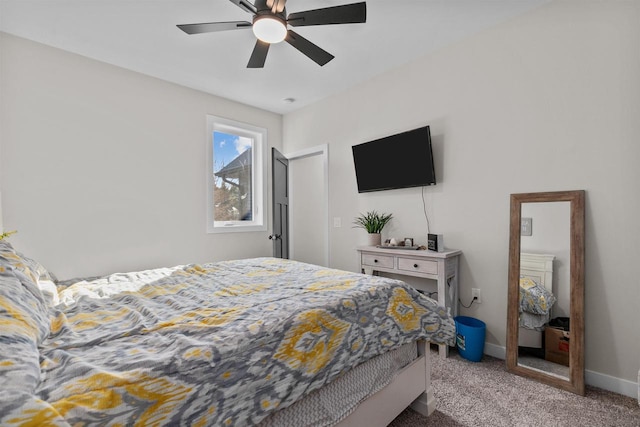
(235, 176)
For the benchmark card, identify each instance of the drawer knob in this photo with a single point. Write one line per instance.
(415, 265)
(375, 260)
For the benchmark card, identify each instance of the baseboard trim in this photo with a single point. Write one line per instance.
(607, 382)
(496, 351)
(595, 379)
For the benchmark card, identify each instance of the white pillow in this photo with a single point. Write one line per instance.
(49, 292)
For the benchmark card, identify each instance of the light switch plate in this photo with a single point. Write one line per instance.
(526, 227)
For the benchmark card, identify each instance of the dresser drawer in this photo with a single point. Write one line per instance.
(377, 260)
(418, 265)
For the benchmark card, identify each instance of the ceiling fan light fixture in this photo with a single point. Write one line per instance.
(269, 28)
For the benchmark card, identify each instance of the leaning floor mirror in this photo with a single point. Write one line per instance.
(545, 312)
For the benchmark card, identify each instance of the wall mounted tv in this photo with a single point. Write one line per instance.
(397, 161)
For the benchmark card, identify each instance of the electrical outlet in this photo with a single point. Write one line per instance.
(475, 293)
(526, 227)
(337, 222)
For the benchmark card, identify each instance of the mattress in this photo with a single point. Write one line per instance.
(332, 403)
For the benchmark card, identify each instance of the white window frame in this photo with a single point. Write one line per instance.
(258, 175)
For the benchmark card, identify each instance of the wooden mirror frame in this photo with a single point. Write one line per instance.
(575, 382)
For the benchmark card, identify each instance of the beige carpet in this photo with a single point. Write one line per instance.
(484, 394)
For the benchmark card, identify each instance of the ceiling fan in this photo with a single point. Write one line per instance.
(270, 22)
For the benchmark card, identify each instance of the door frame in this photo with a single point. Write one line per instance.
(323, 151)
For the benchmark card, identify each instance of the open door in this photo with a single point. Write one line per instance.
(280, 182)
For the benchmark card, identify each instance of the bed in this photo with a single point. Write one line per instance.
(536, 297)
(260, 341)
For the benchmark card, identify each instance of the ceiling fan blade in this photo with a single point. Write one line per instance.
(259, 55)
(244, 5)
(211, 27)
(320, 56)
(346, 14)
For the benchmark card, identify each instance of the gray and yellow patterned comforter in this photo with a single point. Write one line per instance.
(225, 343)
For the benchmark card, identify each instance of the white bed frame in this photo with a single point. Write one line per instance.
(411, 387)
(538, 267)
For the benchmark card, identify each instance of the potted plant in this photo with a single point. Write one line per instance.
(373, 222)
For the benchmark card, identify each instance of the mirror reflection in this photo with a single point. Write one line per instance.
(544, 294)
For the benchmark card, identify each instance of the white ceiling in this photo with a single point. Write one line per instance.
(141, 35)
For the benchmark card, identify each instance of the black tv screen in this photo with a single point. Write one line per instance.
(397, 161)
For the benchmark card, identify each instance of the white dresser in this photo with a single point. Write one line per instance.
(439, 266)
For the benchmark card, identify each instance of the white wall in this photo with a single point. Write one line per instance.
(549, 101)
(103, 169)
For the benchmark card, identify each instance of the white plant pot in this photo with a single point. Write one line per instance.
(375, 239)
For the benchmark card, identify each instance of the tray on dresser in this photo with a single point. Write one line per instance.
(406, 248)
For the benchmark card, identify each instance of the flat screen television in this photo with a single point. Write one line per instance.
(397, 161)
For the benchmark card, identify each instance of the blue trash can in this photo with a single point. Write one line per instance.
(470, 333)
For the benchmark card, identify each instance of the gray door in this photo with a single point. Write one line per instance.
(280, 233)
